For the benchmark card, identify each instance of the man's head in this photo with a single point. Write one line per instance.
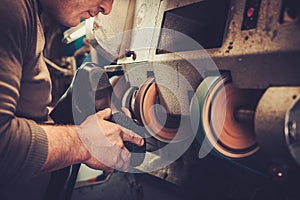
(70, 12)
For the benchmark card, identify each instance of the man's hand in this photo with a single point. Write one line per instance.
(97, 142)
(104, 142)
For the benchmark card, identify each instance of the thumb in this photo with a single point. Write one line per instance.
(104, 114)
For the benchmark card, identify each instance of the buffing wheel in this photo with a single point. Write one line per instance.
(218, 102)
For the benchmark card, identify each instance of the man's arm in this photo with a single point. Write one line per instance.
(23, 144)
(96, 142)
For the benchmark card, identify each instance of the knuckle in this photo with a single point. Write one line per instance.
(119, 165)
(120, 145)
(116, 129)
(126, 155)
(114, 160)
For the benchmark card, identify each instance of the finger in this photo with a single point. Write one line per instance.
(126, 166)
(104, 114)
(119, 164)
(125, 156)
(108, 171)
(119, 144)
(132, 137)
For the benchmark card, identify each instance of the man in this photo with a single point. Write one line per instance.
(29, 149)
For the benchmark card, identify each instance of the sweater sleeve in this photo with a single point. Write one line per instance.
(23, 143)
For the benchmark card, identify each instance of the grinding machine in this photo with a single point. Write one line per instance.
(216, 86)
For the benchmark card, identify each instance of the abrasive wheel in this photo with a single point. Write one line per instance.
(147, 110)
(219, 102)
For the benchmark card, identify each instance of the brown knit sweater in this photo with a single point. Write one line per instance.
(24, 93)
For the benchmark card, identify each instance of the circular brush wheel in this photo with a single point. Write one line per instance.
(219, 101)
(146, 112)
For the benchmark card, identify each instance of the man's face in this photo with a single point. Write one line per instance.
(70, 12)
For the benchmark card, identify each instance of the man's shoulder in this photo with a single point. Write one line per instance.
(18, 20)
(17, 11)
